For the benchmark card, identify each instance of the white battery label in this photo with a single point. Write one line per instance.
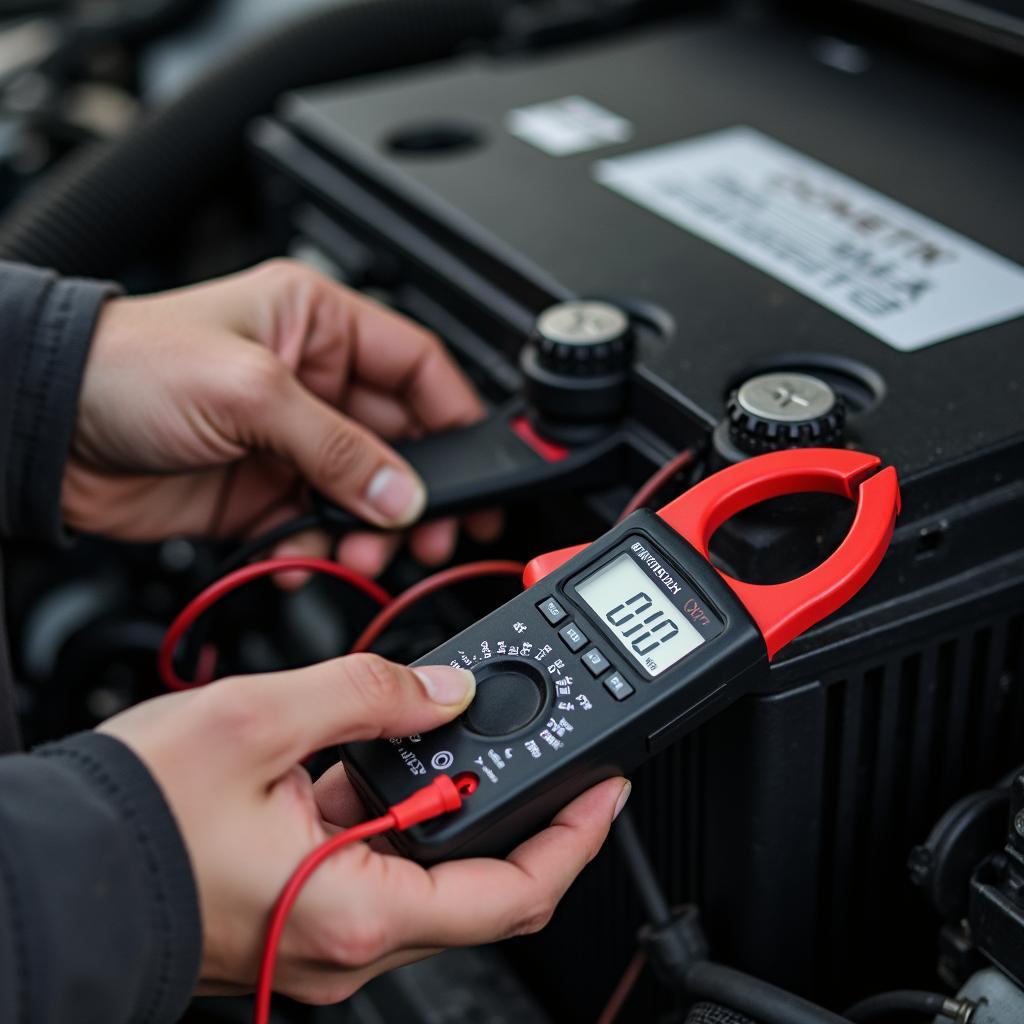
(572, 124)
(900, 276)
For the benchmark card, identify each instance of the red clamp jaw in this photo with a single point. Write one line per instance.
(783, 611)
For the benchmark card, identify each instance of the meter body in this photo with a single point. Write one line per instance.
(617, 648)
(581, 677)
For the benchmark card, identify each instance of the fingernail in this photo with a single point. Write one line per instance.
(623, 797)
(446, 685)
(397, 496)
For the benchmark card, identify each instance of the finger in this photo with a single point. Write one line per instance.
(458, 903)
(394, 355)
(262, 491)
(384, 414)
(276, 719)
(434, 543)
(324, 331)
(340, 806)
(337, 456)
(338, 802)
(485, 527)
(368, 553)
(538, 872)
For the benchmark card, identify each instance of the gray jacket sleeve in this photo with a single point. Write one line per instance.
(46, 324)
(99, 919)
(98, 911)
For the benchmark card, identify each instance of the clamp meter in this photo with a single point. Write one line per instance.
(616, 649)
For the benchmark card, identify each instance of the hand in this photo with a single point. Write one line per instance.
(205, 411)
(227, 758)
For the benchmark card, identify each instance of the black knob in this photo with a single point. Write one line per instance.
(509, 696)
(584, 338)
(785, 410)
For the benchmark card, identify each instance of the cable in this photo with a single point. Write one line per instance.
(212, 594)
(416, 593)
(623, 988)
(392, 608)
(196, 649)
(266, 541)
(679, 956)
(909, 1001)
(659, 479)
(440, 796)
(656, 907)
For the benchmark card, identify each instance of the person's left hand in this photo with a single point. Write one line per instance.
(207, 410)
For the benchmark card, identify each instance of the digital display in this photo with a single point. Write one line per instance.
(639, 615)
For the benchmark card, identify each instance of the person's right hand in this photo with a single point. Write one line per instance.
(228, 760)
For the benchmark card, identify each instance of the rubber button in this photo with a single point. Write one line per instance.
(618, 687)
(595, 661)
(551, 610)
(573, 637)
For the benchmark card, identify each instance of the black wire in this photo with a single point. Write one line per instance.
(247, 552)
(901, 1001)
(704, 979)
(651, 894)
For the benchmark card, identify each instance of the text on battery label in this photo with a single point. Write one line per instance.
(900, 276)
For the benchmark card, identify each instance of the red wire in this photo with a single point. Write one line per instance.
(392, 608)
(290, 893)
(416, 593)
(625, 986)
(203, 601)
(441, 795)
(658, 480)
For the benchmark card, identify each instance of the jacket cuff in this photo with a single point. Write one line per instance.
(48, 324)
(156, 947)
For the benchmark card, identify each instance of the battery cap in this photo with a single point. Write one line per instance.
(583, 337)
(774, 411)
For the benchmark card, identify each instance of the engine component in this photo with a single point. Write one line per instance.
(998, 1000)
(996, 911)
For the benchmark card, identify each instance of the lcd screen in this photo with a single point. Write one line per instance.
(648, 626)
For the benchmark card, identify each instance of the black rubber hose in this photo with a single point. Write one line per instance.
(114, 202)
(132, 21)
(753, 997)
(880, 1007)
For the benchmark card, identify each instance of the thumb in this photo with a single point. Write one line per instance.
(343, 460)
(290, 714)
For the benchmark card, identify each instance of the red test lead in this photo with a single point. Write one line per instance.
(440, 796)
